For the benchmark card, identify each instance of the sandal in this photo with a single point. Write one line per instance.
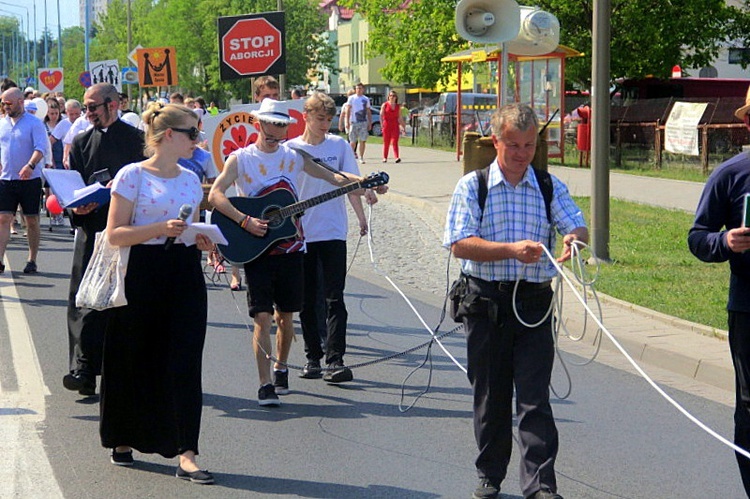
(236, 286)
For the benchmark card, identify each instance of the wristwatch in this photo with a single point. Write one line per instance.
(31, 165)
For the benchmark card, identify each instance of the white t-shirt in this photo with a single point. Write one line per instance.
(159, 199)
(61, 129)
(359, 104)
(257, 170)
(326, 221)
(260, 172)
(80, 125)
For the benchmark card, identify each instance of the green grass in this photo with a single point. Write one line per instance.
(653, 267)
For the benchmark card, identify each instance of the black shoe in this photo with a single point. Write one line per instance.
(121, 458)
(338, 373)
(202, 477)
(82, 383)
(487, 489)
(30, 267)
(312, 370)
(281, 382)
(545, 494)
(267, 396)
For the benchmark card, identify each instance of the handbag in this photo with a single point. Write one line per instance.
(103, 283)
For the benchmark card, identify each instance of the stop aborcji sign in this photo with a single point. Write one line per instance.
(251, 45)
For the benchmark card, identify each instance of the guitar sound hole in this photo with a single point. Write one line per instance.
(274, 220)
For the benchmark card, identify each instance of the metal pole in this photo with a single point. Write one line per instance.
(46, 37)
(59, 37)
(130, 47)
(87, 31)
(600, 131)
(282, 78)
(504, 75)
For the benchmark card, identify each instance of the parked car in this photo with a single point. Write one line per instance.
(376, 130)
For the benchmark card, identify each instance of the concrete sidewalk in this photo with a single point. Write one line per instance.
(425, 180)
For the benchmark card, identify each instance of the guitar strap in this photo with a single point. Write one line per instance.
(544, 180)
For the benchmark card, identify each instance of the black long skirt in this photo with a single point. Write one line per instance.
(151, 393)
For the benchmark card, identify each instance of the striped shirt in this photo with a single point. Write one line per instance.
(511, 214)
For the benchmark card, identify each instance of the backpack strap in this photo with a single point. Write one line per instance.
(482, 176)
(544, 180)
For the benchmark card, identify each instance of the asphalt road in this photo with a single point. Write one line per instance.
(618, 438)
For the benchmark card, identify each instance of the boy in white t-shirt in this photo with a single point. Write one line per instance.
(325, 237)
(274, 278)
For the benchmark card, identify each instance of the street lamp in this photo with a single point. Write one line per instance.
(28, 26)
(19, 45)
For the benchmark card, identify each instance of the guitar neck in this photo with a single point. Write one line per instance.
(301, 206)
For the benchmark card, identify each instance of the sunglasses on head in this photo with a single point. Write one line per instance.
(191, 132)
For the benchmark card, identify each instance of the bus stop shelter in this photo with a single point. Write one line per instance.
(538, 81)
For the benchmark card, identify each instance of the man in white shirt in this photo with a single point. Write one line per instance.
(359, 117)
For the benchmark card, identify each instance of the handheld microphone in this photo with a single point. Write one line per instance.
(185, 211)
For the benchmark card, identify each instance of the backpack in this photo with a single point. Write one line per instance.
(544, 180)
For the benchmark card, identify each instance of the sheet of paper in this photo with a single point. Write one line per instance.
(209, 230)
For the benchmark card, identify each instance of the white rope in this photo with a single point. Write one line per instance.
(406, 299)
(638, 368)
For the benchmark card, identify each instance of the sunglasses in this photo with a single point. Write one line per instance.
(93, 107)
(191, 132)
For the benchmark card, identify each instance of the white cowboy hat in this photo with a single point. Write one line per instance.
(274, 111)
(741, 112)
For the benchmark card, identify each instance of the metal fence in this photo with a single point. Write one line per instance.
(636, 133)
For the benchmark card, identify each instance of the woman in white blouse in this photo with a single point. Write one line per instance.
(151, 394)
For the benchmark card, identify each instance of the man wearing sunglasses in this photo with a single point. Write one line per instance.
(97, 153)
(23, 142)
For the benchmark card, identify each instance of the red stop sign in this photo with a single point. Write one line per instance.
(251, 46)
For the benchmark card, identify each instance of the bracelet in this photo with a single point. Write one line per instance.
(31, 165)
(245, 221)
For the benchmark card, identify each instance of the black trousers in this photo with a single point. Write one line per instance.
(330, 257)
(85, 326)
(739, 346)
(503, 355)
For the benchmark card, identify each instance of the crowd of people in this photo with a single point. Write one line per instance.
(157, 170)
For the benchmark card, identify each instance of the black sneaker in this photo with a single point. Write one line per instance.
(338, 373)
(487, 489)
(202, 477)
(267, 396)
(281, 382)
(312, 370)
(30, 267)
(121, 458)
(82, 383)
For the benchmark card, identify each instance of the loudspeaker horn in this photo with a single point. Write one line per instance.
(539, 33)
(487, 21)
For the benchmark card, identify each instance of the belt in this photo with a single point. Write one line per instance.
(508, 286)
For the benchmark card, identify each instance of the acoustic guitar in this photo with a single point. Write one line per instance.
(281, 208)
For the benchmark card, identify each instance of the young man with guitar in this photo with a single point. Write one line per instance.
(325, 237)
(268, 169)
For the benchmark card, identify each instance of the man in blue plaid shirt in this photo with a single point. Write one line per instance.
(498, 245)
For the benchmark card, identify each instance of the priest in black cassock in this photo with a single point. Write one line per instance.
(97, 154)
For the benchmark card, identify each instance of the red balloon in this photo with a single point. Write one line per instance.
(53, 205)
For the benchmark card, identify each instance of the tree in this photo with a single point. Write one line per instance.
(413, 37)
(647, 37)
(191, 27)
